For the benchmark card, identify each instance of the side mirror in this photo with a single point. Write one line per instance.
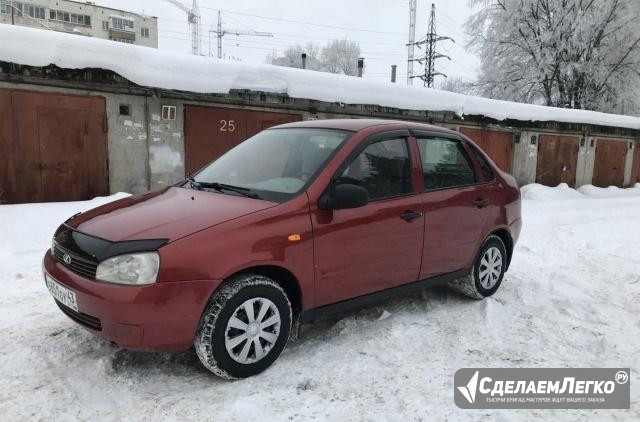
(344, 196)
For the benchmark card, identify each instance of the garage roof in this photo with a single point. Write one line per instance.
(168, 70)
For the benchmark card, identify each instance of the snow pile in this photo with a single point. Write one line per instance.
(163, 69)
(27, 229)
(561, 192)
(610, 192)
(570, 299)
(538, 192)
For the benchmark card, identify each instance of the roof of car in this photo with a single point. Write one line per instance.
(360, 124)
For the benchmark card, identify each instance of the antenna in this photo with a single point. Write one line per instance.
(431, 55)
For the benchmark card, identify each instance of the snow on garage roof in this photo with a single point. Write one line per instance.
(163, 69)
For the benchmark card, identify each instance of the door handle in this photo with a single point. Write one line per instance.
(408, 216)
(481, 202)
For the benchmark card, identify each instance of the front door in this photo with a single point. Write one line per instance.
(456, 206)
(378, 246)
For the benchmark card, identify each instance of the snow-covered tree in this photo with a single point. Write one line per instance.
(458, 85)
(341, 56)
(567, 53)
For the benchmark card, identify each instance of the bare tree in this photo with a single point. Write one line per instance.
(565, 53)
(341, 56)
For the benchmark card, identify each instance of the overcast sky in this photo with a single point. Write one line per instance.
(380, 26)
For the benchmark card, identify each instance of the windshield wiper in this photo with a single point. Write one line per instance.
(222, 187)
(193, 183)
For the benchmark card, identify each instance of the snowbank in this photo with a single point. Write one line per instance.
(168, 70)
(537, 192)
(610, 192)
(27, 229)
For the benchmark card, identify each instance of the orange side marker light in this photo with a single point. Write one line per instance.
(294, 237)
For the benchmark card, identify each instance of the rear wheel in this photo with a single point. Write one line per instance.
(487, 271)
(244, 328)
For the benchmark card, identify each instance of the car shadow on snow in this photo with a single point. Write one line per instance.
(186, 364)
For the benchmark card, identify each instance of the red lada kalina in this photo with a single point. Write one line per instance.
(298, 221)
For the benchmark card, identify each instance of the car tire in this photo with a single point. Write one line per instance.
(237, 336)
(487, 271)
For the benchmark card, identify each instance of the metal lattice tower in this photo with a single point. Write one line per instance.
(431, 55)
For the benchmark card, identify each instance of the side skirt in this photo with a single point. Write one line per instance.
(376, 297)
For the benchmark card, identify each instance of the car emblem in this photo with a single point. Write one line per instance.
(66, 258)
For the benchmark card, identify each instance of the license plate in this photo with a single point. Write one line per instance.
(61, 293)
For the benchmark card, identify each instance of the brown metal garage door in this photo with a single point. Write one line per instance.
(635, 170)
(209, 132)
(608, 168)
(498, 145)
(53, 147)
(557, 160)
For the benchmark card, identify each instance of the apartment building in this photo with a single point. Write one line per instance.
(82, 18)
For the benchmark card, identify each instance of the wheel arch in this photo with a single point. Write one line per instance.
(282, 277)
(506, 238)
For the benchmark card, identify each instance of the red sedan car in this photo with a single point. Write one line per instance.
(298, 221)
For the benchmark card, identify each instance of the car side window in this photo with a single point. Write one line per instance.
(487, 171)
(383, 168)
(445, 163)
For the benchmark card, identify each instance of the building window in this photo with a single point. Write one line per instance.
(121, 24)
(59, 15)
(105, 25)
(144, 32)
(168, 112)
(22, 9)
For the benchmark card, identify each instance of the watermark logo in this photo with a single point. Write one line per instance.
(622, 377)
(469, 390)
(542, 388)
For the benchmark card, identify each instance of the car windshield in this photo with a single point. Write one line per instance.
(275, 164)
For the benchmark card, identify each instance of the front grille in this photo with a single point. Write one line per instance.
(82, 319)
(78, 264)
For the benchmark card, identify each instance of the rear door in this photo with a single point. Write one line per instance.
(377, 246)
(456, 203)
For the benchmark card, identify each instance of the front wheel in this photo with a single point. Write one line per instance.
(487, 271)
(244, 328)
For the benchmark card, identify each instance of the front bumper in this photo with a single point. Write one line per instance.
(156, 317)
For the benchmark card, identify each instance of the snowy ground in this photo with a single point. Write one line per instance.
(570, 299)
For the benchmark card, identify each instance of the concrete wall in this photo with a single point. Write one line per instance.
(525, 157)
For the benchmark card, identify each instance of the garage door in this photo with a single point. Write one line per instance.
(498, 145)
(608, 168)
(557, 160)
(635, 170)
(53, 147)
(209, 132)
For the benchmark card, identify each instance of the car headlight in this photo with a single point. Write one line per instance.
(133, 269)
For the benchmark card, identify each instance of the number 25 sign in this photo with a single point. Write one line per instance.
(227, 126)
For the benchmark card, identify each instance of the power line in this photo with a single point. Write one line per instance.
(308, 23)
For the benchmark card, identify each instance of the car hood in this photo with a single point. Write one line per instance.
(170, 213)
